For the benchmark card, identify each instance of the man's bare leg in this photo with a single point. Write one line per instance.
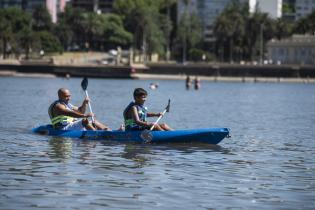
(166, 127)
(99, 126)
(87, 124)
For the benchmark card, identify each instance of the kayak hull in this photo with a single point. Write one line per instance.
(205, 135)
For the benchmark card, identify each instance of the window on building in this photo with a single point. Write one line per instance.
(281, 51)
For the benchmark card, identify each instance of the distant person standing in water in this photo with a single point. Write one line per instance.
(188, 82)
(197, 83)
(154, 86)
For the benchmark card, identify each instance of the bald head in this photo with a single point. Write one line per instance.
(64, 94)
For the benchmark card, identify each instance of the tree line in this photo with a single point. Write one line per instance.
(241, 35)
(148, 26)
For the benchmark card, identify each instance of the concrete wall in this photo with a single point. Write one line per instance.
(235, 70)
(281, 71)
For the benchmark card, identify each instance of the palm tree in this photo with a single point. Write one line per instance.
(167, 26)
(282, 29)
(5, 33)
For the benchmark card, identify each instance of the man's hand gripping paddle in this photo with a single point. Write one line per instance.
(146, 134)
(84, 85)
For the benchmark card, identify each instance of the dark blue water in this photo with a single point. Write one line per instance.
(269, 163)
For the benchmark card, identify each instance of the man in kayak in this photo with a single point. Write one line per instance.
(65, 116)
(135, 114)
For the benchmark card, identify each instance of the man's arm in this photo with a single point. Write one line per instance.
(62, 110)
(151, 114)
(135, 117)
(82, 108)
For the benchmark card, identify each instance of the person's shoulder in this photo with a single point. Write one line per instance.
(58, 105)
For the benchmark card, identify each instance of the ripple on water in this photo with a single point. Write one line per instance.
(267, 164)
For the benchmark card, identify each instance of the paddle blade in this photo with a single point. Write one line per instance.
(147, 136)
(168, 105)
(84, 83)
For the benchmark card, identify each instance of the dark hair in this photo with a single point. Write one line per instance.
(139, 92)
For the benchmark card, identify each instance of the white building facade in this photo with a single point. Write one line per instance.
(299, 50)
(272, 7)
(303, 8)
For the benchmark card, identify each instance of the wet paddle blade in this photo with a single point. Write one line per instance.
(146, 135)
(84, 83)
(168, 106)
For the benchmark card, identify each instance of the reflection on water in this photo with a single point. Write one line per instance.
(269, 163)
(136, 153)
(61, 148)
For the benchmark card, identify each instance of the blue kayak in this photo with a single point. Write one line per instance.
(206, 135)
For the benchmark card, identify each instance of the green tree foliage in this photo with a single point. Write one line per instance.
(5, 32)
(283, 29)
(167, 25)
(42, 36)
(146, 25)
(23, 33)
(230, 29)
(240, 34)
(189, 32)
(64, 32)
(288, 8)
(97, 31)
(49, 43)
(306, 25)
(15, 25)
(113, 31)
(41, 19)
(141, 18)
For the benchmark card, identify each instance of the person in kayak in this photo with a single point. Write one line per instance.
(65, 116)
(135, 114)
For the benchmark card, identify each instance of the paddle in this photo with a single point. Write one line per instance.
(167, 109)
(146, 134)
(84, 85)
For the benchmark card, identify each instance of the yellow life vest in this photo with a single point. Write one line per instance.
(60, 120)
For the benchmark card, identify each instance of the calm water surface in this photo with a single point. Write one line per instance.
(269, 163)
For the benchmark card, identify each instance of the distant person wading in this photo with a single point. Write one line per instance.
(188, 82)
(197, 83)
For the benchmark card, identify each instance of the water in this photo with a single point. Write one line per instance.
(269, 163)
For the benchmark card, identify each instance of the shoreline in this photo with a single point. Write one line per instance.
(205, 71)
(144, 76)
(10, 73)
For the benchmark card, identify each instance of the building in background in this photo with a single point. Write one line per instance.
(99, 6)
(53, 6)
(288, 10)
(272, 7)
(303, 8)
(299, 49)
(207, 10)
(13, 3)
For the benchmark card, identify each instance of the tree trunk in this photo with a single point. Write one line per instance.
(168, 53)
